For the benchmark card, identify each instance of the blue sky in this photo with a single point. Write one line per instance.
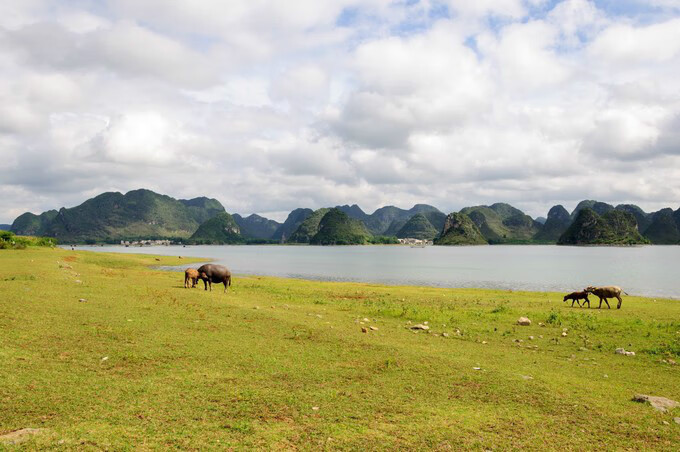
(269, 106)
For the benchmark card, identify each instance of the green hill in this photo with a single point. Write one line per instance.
(256, 227)
(557, 222)
(389, 220)
(643, 218)
(501, 223)
(337, 228)
(418, 227)
(219, 230)
(664, 228)
(293, 221)
(459, 229)
(114, 216)
(202, 208)
(615, 227)
(599, 207)
(309, 227)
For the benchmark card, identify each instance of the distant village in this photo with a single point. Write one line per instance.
(127, 243)
(415, 242)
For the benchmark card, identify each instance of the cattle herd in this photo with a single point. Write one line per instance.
(209, 274)
(218, 274)
(603, 293)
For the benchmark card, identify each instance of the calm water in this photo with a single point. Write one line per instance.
(646, 270)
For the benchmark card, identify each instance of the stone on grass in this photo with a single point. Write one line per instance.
(564, 334)
(524, 321)
(364, 330)
(622, 351)
(658, 403)
(82, 300)
(374, 328)
(19, 436)
(420, 326)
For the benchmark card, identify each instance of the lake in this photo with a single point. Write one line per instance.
(643, 270)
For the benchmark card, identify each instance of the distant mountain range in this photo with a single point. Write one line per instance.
(143, 214)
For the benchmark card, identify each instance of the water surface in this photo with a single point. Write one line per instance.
(644, 270)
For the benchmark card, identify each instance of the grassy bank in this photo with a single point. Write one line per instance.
(276, 363)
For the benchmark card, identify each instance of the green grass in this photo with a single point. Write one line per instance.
(188, 369)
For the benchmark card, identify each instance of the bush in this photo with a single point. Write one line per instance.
(10, 241)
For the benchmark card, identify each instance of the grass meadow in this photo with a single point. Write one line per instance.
(145, 364)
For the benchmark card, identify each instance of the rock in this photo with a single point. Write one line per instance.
(315, 408)
(105, 358)
(82, 300)
(19, 436)
(477, 368)
(541, 324)
(658, 403)
(420, 326)
(527, 377)
(366, 320)
(364, 330)
(622, 351)
(671, 362)
(531, 338)
(564, 334)
(374, 328)
(445, 334)
(78, 281)
(524, 321)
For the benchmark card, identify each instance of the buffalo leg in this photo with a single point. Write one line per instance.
(618, 306)
(205, 284)
(606, 301)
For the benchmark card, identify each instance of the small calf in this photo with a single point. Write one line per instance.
(190, 277)
(576, 296)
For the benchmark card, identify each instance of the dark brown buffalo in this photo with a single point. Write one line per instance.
(607, 292)
(212, 273)
(576, 296)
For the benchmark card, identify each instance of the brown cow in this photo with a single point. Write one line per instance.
(607, 292)
(576, 296)
(190, 275)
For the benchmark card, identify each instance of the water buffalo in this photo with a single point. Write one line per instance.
(576, 296)
(211, 273)
(607, 292)
(190, 277)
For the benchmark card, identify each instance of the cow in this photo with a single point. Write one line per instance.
(607, 292)
(212, 273)
(576, 296)
(190, 277)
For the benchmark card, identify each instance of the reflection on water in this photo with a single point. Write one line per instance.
(644, 270)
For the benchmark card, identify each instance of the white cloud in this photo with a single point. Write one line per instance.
(270, 105)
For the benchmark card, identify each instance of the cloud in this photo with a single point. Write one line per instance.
(270, 106)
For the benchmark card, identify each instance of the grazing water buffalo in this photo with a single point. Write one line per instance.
(190, 277)
(211, 273)
(607, 292)
(576, 296)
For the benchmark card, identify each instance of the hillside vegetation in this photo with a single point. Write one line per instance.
(219, 230)
(114, 216)
(142, 214)
(127, 359)
(616, 227)
(337, 228)
(459, 229)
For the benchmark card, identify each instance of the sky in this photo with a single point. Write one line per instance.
(270, 105)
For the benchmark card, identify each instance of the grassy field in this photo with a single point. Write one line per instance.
(283, 364)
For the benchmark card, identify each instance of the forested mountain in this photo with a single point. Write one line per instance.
(256, 227)
(143, 214)
(116, 216)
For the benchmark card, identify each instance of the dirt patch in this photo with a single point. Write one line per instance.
(19, 436)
